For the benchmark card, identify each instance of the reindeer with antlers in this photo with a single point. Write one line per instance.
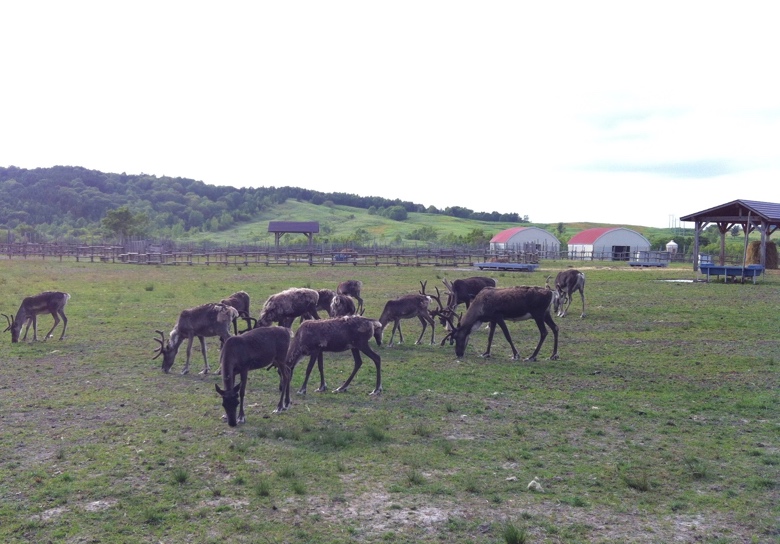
(214, 319)
(495, 306)
(567, 282)
(407, 307)
(48, 302)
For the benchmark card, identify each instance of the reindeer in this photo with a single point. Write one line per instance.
(257, 348)
(52, 302)
(336, 334)
(326, 297)
(464, 290)
(566, 283)
(285, 306)
(212, 319)
(406, 307)
(239, 301)
(352, 288)
(342, 305)
(494, 306)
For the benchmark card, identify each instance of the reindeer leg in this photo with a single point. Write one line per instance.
(320, 367)
(358, 364)
(582, 295)
(206, 368)
(285, 376)
(424, 325)
(186, 368)
(34, 321)
(392, 334)
(241, 416)
(400, 334)
(378, 363)
(502, 324)
(542, 335)
(492, 330)
(64, 324)
(549, 320)
(56, 322)
(302, 390)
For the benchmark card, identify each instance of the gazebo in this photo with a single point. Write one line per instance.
(280, 228)
(749, 214)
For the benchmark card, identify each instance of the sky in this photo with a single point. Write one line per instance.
(631, 113)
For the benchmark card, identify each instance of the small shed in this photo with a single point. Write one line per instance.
(607, 243)
(280, 228)
(749, 214)
(527, 239)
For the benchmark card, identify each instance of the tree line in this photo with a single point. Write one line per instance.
(71, 201)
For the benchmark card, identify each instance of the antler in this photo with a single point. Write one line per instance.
(448, 315)
(159, 350)
(437, 298)
(547, 282)
(10, 322)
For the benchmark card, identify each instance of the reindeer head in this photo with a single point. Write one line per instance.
(13, 326)
(230, 403)
(167, 350)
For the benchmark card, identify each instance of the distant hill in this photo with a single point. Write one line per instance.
(65, 202)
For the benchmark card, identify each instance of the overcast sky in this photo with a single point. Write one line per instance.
(630, 113)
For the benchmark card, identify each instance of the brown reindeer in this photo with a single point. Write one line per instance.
(566, 283)
(352, 288)
(48, 302)
(495, 306)
(463, 291)
(239, 301)
(287, 305)
(258, 348)
(406, 307)
(212, 319)
(342, 305)
(336, 334)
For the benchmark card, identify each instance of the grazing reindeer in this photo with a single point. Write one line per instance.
(342, 305)
(326, 297)
(352, 288)
(566, 283)
(257, 348)
(239, 301)
(336, 334)
(206, 320)
(51, 302)
(463, 291)
(406, 307)
(285, 306)
(494, 306)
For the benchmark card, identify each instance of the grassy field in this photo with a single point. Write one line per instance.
(659, 423)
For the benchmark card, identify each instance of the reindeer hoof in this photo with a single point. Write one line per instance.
(375, 392)
(554, 357)
(185, 371)
(531, 359)
(301, 391)
(322, 389)
(341, 389)
(485, 355)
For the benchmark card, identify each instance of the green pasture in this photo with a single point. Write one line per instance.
(659, 423)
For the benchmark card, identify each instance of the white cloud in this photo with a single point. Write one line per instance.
(606, 111)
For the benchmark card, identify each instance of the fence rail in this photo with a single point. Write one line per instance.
(271, 256)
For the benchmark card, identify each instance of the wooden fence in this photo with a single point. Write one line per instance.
(251, 256)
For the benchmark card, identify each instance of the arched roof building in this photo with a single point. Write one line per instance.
(610, 243)
(527, 239)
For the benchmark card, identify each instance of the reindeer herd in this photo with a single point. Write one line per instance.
(269, 341)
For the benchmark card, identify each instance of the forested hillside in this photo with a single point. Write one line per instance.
(70, 202)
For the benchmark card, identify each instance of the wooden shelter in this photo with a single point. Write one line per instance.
(749, 214)
(280, 228)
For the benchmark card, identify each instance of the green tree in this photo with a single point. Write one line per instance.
(124, 223)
